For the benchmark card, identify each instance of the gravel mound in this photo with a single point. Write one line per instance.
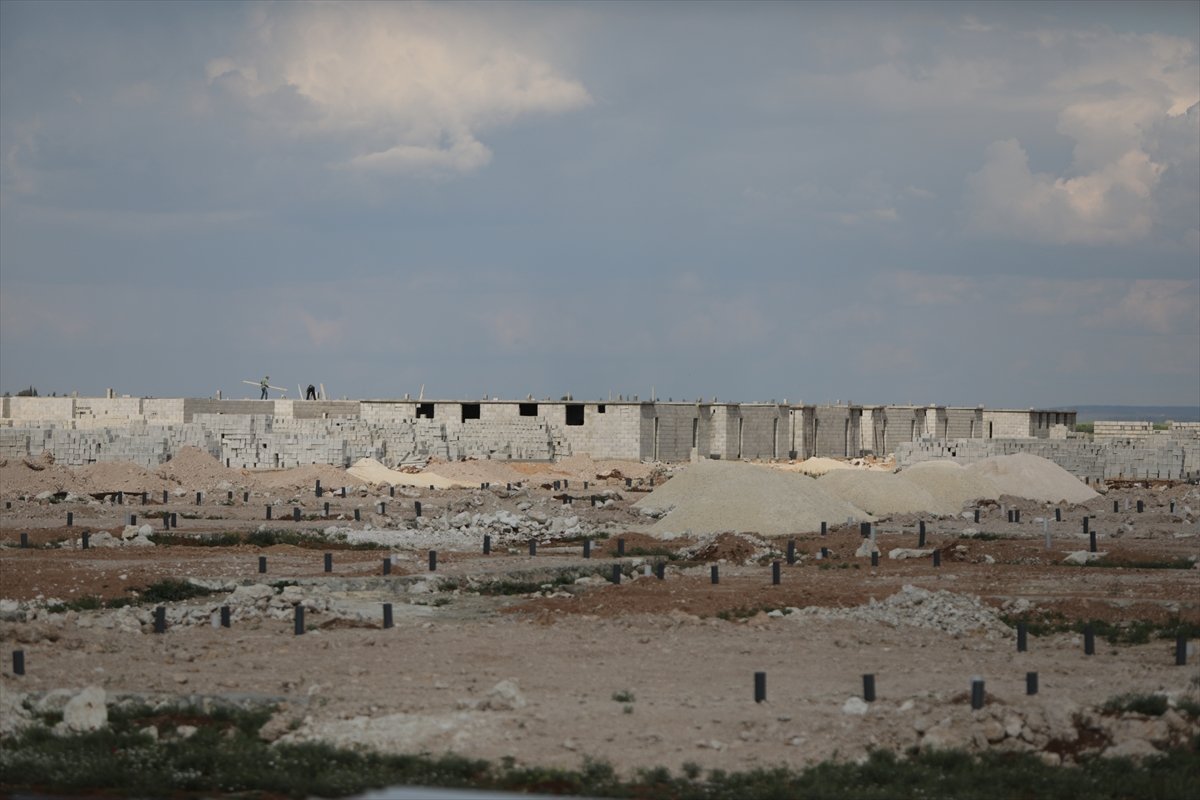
(819, 465)
(716, 496)
(951, 486)
(954, 614)
(879, 493)
(1033, 478)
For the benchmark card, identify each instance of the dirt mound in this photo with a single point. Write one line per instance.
(951, 486)
(193, 468)
(121, 476)
(33, 476)
(718, 496)
(879, 493)
(819, 465)
(302, 477)
(734, 548)
(1033, 478)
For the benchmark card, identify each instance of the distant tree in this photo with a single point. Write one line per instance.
(30, 392)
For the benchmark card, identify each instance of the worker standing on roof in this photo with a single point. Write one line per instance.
(311, 394)
(263, 384)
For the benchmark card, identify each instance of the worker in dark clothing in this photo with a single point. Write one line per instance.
(311, 394)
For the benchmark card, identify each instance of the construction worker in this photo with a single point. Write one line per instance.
(263, 384)
(311, 394)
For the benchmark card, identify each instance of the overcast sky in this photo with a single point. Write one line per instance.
(950, 203)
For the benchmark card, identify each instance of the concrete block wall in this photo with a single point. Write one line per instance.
(873, 428)
(802, 429)
(41, 409)
(764, 431)
(163, 411)
(1007, 424)
(203, 405)
(964, 423)
(609, 430)
(902, 424)
(675, 431)
(936, 423)
(836, 432)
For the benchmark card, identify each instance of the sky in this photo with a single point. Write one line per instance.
(955, 203)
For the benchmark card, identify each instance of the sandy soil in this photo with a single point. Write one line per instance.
(679, 655)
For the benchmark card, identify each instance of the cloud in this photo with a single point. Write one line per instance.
(1117, 92)
(1160, 306)
(395, 87)
(1111, 205)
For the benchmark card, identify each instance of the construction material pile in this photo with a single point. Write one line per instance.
(1033, 478)
(878, 493)
(951, 486)
(716, 496)
(369, 470)
(950, 613)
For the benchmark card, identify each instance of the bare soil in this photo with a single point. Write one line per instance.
(683, 648)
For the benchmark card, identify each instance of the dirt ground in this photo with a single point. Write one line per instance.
(643, 673)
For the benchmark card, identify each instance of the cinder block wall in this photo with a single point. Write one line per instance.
(1007, 424)
(964, 423)
(765, 431)
(837, 431)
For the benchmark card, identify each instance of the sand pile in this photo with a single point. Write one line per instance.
(715, 496)
(369, 470)
(1032, 477)
(878, 493)
(951, 486)
(194, 469)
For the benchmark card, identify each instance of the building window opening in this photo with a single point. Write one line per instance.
(574, 413)
(425, 410)
(470, 411)
(695, 432)
(527, 409)
(600, 408)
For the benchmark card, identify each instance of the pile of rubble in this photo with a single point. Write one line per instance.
(950, 613)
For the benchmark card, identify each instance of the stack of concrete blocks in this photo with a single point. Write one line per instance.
(14, 443)
(1114, 459)
(1116, 429)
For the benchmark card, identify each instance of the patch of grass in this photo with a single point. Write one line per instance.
(226, 756)
(623, 696)
(1138, 631)
(197, 540)
(1126, 563)
(653, 552)
(983, 537)
(170, 590)
(88, 602)
(745, 612)
(1150, 705)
